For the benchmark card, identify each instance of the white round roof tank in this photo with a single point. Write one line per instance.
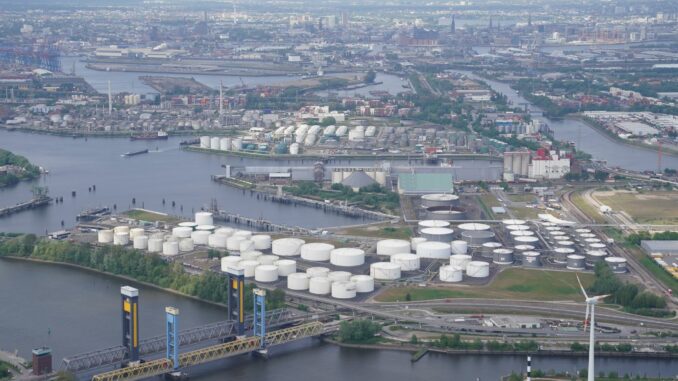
(261, 241)
(186, 244)
(227, 232)
(204, 142)
(249, 267)
(266, 273)
(135, 232)
(473, 226)
(317, 272)
(561, 254)
(287, 247)
(529, 240)
(243, 233)
(531, 259)
(516, 227)
(251, 255)
(415, 241)
(105, 236)
(513, 222)
(155, 245)
(316, 251)
(298, 281)
(502, 256)
(437, 234)
(230, 261)
(214, 143)
(182, 232)
(434, 250)
(286, 267)
(246, 245)
(385, 271)
(208, 228)
(363, 283)
(140, 242)
(319, 286)
(347, 257)
(432, 224)
(576, 262)
(393, 246)
(459, 247)
(233, 243)
(407, 261)
(200, 237)
(267, 259)
(339, 276)
(120, 239)
(450, 273)
(478, 269)
(217, 241)
(204, 218)
(487, 248)
(617, 264)
(343, 290)
(121, 229)
(170, 248)
(460, 260)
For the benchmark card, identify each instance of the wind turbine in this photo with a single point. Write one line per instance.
(590, 306)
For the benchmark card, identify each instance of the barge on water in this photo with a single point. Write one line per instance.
(160, 135)
(134, 153)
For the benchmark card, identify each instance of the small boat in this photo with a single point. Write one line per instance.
(134, 153)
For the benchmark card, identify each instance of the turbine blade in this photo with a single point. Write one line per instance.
(582, 287)
(601, 297)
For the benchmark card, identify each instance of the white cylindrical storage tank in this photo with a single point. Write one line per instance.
(120, 239)
(200, 237)
(476, 238)
(186, 244)
(286, 267)
(105, 236)
(267, 259)
(135, 232)
(298, 281)
(576, 262)
(523, 248)
(385, 271)
(473, 226)
(251, 255)
(317, 272)
(182, 232)
(528, 240)
(598, 246)
(246, 245)
(513, 222)
(225, 144)
(432, 224)
(594, 256)
(249, 267)
(339, 276)
(460, 260)
(343, 290)
(121, 229)
(319, 286)
(414, 241)
(230, 261)
(617, 264)
(450, 273)
(226, 232)
(217, 241)
(214, 143)
(246, 234)
(204, 142)
(140, 242)
(236, 144)
(363, 283)
(531, 259)
(478, 269)
(393, 246)
(459, 247)
(204, 218)
(287, 247)
(170, 248)
(261, 241)
(233, 243)
(502, 256)
(434, 250)
(407, 261)
(520, 233)
(487, 248)
(516, 227)
(155, 245)
(439, 199)
(561, 254)
(316, 251)
(437, 234)
(205, 228)
(347, 257)
(266, 273)
(341, 131)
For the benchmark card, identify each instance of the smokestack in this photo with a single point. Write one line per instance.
(110, 99)
(529, 368)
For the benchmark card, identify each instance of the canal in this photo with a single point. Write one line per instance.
(74, 311)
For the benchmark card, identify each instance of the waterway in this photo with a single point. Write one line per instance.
(166, 172)
(74, 311)
(587, 138)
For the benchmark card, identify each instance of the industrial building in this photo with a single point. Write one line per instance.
(423, 183)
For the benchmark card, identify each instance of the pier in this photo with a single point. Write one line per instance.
(20, 207)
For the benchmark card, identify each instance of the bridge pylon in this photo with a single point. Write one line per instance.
(172, 329)
(130, 322)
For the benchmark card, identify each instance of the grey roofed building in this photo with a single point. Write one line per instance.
(357, 180)
(663, 247)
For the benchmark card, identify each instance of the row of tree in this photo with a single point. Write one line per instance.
(455, 342)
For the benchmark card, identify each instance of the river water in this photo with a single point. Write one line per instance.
(81, 310)
(587, 138)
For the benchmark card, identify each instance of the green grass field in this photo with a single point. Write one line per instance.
(398, 232)
(649, 207)
(146, 215)
(509, 284)
(587, 208)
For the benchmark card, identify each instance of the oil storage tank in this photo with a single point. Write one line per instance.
(502, 256)
(459, 247)
(531, 259)
(338, 276)
(105, 236)
(266, 273)
(261, 241)
(617, 264)
(439, 199)
(347, 257)
(478, 269)
(393, 246)
(594, 256)
(319, 286)
(460, 260)
(561, 254)
(317, 272)
(432, 224)
(434, 250)
(476, 238)
(363, 283)
(487, 248)
(287, 247)
(450, 273)
(576, 262)
(437, 234)
(407, 262)
(316, 251)
(344, 290)
(385, 271)
(298, 281)
(204, 218)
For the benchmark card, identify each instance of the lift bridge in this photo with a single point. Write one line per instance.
(130, 352)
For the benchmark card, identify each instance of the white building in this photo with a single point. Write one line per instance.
(553, 167)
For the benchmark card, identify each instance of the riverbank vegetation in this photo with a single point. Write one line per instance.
(455, 342)
(372, 197)
(15, 168)
(511, 283)
(359, 332)
(148, 268)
